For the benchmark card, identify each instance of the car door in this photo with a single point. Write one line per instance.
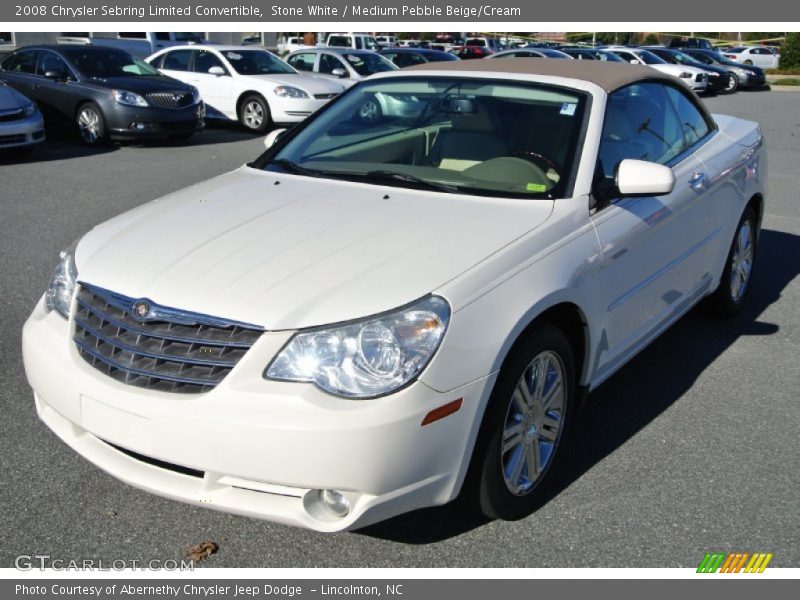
(328, 62)
(655, 249)
(216, 89)
(58, 98)
(19, 71)
(178, 65)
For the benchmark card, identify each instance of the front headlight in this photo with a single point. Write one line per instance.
(29, 109)
(287, 91)
(685, 75)
(367, 358)
(128, 98)
(195, 95)
(62, 284)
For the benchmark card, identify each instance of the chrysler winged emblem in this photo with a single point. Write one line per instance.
(140, 309)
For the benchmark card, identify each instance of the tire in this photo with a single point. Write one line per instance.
(370, 112)
(254, 113)
(727, 300)
(91, 124)
(733, 84)
(500, 483)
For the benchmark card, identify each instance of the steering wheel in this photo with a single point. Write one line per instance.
(539, 159)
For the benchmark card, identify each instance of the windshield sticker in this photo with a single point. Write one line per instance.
(536, 187)
(568, 108)
(233, 56)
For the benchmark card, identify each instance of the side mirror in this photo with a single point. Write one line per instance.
(643, 178)
(633, 61)
(56, 74)
(216, 70)
(341, 73)
(272, 137)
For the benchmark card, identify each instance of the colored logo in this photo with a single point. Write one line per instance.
(734, 562)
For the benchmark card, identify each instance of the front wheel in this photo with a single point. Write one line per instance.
(524, 426)
(254, 114)
(733, 83)
(91, 124)
(734, 284)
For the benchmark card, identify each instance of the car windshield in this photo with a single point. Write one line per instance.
(367, 63)
(102, 63)
(456, 135)
(649, 58)
(256, 62)
(685, 59)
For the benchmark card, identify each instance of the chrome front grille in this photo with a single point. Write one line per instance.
(170, 99)
(166, 349)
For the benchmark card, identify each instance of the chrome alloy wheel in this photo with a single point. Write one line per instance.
(253, 114)
(89, 124)
(534, 422)
(370, 111)
(741, 261)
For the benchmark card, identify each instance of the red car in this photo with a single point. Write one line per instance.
(467, 52)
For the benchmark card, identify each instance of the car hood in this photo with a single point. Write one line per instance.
(143, 84)
(310, 83)
(11, 99)
(287, 252)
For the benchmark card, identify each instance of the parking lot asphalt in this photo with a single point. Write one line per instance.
(692, 447)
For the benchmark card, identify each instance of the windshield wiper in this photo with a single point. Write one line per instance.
(292, 167)
(405, 178)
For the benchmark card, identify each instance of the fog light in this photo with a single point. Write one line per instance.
(335, 502)
(137, 125)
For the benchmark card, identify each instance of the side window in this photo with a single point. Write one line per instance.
(21, 62)
(51, 62)
(414, 59)
(627, 56)
(177, 60)
(162, 36)
(133, 35)
(692, 123)
(328, 62)
(204, 60)
(640, 123)
(302, 62)
(359, 45)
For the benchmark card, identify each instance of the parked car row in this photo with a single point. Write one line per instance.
(106, 93)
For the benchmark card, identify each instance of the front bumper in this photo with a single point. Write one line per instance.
(294, 110)
(255, 447)
(22, 132)
(130, 122)
(718, 83)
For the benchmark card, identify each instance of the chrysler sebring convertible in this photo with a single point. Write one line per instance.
(372, 318)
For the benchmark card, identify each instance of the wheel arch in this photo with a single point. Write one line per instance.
(245, 94)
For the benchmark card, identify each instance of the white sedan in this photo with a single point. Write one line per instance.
(247, 84)
(760, 56)
(693, 77)
(374, 318)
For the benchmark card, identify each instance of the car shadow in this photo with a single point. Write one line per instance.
(616, 411)
(215, 132)
(64, 143)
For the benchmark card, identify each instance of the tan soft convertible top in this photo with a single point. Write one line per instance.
(608, 75)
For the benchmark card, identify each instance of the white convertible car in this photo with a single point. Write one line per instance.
(373, 318)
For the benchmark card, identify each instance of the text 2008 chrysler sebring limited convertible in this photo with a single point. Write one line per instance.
(375, 317)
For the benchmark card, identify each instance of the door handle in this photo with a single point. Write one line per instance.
(698, 181)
